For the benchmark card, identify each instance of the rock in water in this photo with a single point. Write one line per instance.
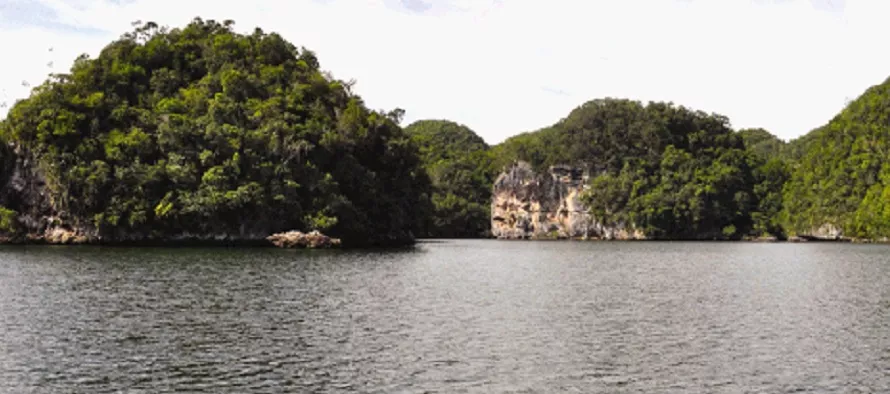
(297, 239)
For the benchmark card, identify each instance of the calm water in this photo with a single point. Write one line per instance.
(448, 317)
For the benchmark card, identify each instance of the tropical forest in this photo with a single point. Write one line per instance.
(203, 133)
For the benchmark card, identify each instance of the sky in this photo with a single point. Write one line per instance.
(503, 67)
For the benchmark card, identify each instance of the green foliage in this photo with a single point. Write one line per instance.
(770, 176)
(206, 131)
(762, 143)
(8, 217)
(771, 171)
(669, 171)
(460, 167)
(201, 130)
(796, 149)
(8, 223)
(440, 140)
(842, 172)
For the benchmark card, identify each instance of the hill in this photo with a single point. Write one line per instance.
(763, 143)
(772, 158)
(460, 167)
(840, 183)
(672, 172)
(201, 132)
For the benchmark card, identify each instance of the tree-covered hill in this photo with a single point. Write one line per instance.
(460, 166)
(670, 171)
(201, 131)
(841, 175)
(763, 143)
(771, 171)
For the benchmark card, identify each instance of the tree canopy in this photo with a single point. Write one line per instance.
(201, 130)
(841, 175)
(461, 169)
(670, 171)
(763, 143)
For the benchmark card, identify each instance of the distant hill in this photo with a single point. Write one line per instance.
(673, 172)
(459, 165)
(763, 143)
(201, 132)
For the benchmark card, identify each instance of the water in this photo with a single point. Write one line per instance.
(448, 317)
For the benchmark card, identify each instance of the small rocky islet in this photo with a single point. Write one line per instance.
(298, 239)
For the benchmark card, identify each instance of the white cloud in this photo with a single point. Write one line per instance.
(508, 66)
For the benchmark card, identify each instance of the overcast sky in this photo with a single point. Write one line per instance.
(507, 66)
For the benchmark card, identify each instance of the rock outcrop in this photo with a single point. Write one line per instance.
(827, 231)
(24, 191)
(526, 205)
(297, 239)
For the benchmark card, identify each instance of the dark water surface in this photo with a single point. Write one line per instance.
(448, 317)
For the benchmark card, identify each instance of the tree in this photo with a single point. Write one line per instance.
(840, 172)
(200, 130)
(667, 170)
(460, 167)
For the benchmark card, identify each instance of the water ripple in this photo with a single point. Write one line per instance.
(448, 317)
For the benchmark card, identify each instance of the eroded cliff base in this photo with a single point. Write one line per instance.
(528, 205)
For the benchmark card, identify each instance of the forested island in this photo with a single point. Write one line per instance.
(200, 133)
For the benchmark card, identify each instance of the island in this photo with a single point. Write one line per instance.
(202, 134)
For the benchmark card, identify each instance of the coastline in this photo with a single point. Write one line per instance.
(183, 242)
(262, 243)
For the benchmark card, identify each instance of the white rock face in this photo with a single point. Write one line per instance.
(827, 231)
(526, 205)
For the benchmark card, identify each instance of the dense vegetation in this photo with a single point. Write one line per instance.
(669, 171)
(842, 173)
(763, 144)
(460, 166)
(201, 130)
(771, 170)
(770, 175)
(8, 222)
(678, 173)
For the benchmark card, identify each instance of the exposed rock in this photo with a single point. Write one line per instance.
(526, 205)
(827, 231)
(62, 236)
(39, 219)
(764, 238)
(297, 239)
(24, 190)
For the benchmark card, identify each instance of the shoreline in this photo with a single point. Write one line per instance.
(190, 243)
(263, 243)
(744, 240)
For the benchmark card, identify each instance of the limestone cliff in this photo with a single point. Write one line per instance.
(526, 205)
(24, 190)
